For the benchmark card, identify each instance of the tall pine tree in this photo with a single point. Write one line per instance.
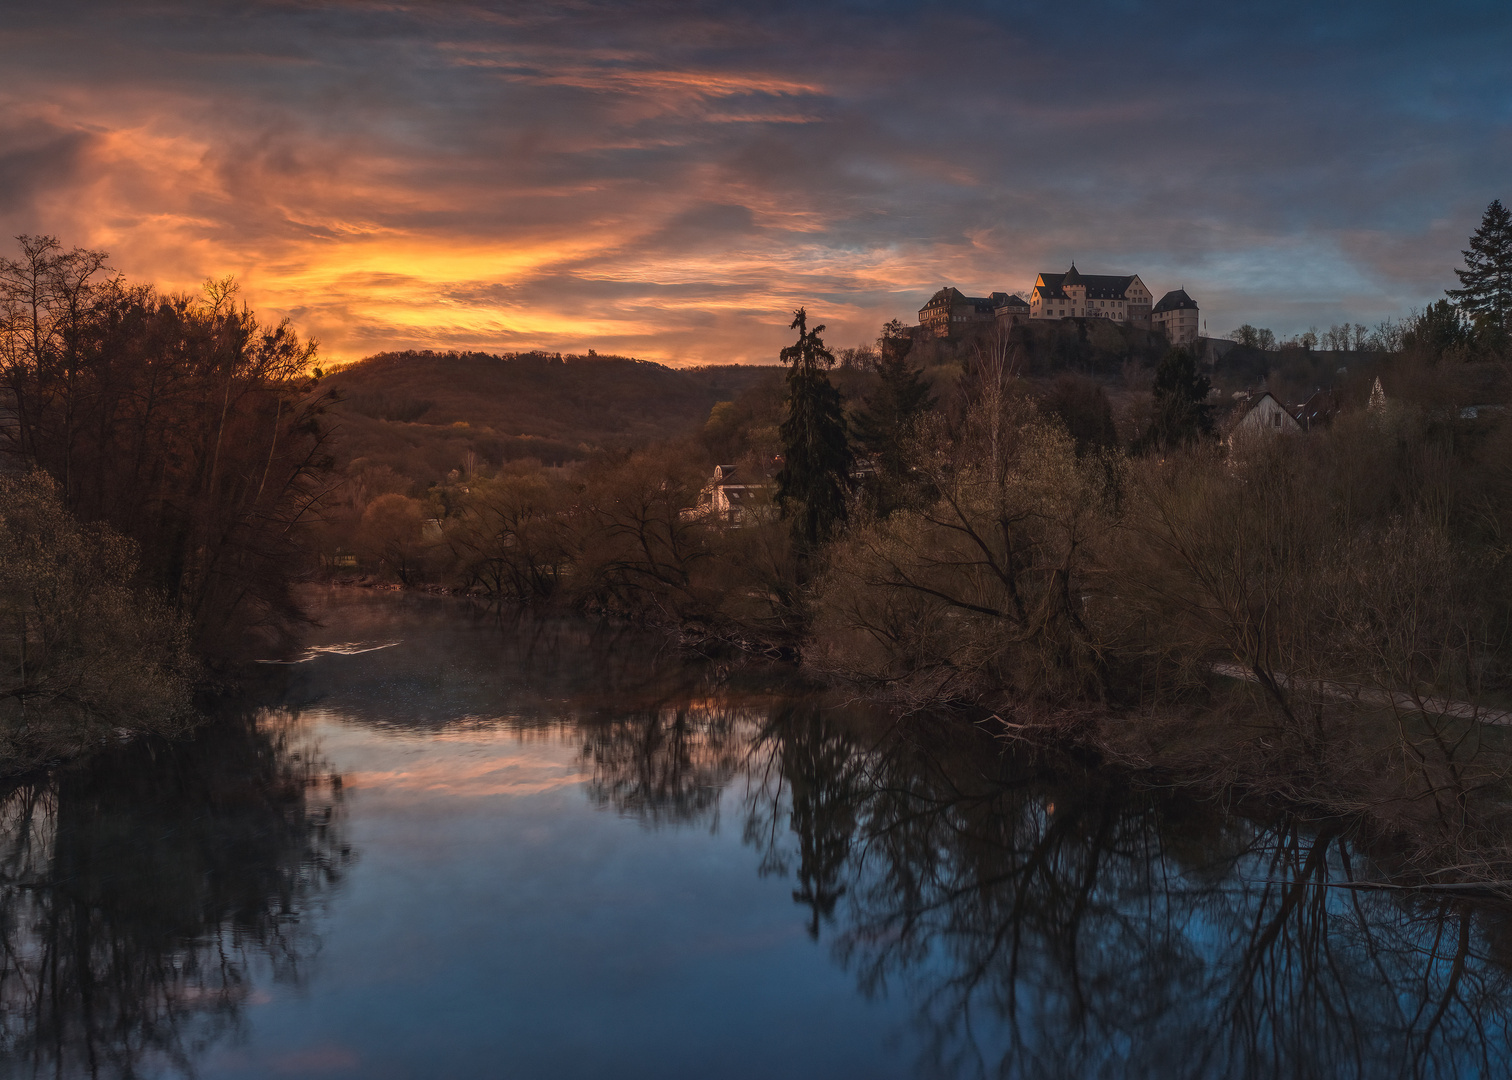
(1485, 292)
(891, 415)
(815, 477)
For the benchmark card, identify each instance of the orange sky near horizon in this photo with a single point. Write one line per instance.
(670, 183)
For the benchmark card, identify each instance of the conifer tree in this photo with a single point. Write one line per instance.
(1485, 292)
(891, 415)
(815, 476)
(1182, 414)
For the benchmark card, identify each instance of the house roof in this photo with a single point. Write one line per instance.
(1322, 407)
(1175, 300)
(1254, 403)
(1006, 301)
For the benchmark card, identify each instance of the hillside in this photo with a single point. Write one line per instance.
(423, 413)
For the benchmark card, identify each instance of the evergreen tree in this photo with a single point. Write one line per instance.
(1438, 332)
(815, 476)
(1182, 414)
(1485, 291)
(891, 414)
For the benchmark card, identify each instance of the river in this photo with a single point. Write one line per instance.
(445, 844)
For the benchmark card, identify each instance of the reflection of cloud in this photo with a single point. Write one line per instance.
(506, 774)
(670, 180)
(328, 1057)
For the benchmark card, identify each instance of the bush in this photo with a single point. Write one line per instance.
(83, 654)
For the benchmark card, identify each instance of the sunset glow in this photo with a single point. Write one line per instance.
(670, 182)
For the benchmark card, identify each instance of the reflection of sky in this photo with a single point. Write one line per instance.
(668, 180)
(500, 918)
(495, 924)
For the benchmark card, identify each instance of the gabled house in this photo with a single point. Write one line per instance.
(1262, 415)
(1318, 410)
(727, 498)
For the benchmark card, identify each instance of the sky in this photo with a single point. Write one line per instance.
(670, 179)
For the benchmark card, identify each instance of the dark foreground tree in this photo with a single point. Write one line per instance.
(815, 476)
(885, 426)
(183, 423)
(1182, 415)
(1485, 292)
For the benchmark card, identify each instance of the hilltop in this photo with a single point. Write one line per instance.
(423, 413)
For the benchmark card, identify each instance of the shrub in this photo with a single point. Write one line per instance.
(83, 654)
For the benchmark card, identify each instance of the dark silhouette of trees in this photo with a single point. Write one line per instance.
(1083, 406)
(185, 424)
(886, 425)
(142, 889)
(814, 481)
(1440, 332)
(1485, 292)
(1182, 414)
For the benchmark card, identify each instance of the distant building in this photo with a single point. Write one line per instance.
(1176, 317)
(1120, 298)
(1263, 416)
(1011, 310)
(726, 498)
(1074, 295)
(952, 314)
(1318, 410)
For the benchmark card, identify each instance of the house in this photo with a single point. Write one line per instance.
(1176, 316)
(727, 498)
(1318, 410)
(1074, 295)
(1264, 415)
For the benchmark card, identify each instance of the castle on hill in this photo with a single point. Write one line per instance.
(1122, 298)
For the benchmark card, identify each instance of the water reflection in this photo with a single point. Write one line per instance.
(1038, 916)
(1048, 921)
(139, 891)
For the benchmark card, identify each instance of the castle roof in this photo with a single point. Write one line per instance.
(949, 294)
(1175, 300)
(952, 296)
(1003, 300)
(1098, 286)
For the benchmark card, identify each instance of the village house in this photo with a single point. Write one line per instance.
(726, 498)
(1262, 415)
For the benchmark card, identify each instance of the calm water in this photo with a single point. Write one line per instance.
(443, 847)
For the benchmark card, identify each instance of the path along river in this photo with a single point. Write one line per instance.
(445, 845)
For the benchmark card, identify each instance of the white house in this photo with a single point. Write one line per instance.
(1265, 416)
(729, 500)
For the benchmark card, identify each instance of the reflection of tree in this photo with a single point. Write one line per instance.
(819, 766)
(137, 891)
(665, 764)
(1049, 922)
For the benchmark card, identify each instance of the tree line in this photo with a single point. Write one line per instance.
(164, 455)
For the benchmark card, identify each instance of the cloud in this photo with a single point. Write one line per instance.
(671, 179)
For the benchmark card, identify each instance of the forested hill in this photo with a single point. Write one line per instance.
(422, 413)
